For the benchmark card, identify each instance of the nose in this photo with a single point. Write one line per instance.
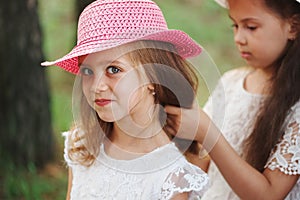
(239, 37)
(100, 84)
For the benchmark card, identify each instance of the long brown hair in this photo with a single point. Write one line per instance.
(165, 69)
(284, 91)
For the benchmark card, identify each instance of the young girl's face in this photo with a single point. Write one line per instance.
(114, 87)
(260, 35)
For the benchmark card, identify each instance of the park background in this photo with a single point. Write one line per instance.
(204, 20)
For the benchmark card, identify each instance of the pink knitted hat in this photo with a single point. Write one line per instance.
(105, 24)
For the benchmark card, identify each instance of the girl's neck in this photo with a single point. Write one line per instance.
(133, 141)
(258, 81)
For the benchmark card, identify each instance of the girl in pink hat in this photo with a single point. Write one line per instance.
(255, 147)
(128, 66)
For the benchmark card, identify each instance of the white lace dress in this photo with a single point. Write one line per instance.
(234, 113)
(159, 174)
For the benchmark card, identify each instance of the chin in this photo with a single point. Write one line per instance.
(110, 118)
(106, 118)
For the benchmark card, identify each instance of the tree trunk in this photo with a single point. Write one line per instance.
(80, 5)
(25, 121)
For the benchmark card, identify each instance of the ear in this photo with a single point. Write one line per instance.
(293, 27)
(150, 87)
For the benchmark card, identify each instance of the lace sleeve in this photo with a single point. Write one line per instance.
(185, 179)
(286, 154)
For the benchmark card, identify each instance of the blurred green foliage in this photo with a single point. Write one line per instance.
(203, 20)
(30, 183)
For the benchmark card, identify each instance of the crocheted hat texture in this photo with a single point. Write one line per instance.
(105, 24)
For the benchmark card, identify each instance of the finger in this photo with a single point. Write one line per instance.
(170, 129)
(173, 120)
(172, 117)
(171, 123)
(169, 120)
(172, 110)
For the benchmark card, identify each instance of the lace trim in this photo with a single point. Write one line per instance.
(181, 181)
(286, 154)
(118, 184)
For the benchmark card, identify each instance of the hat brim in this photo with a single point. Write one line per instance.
(185, 46)
(222, 3)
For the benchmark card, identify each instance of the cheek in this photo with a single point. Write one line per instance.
(275, 48)
(135, 98)
(86, 90)
(129, 93)
(272, 43)
(127, 86)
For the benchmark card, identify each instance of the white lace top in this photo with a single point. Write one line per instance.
(160, 174)
(234, 114)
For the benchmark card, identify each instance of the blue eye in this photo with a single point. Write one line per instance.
(113, 70)
(86, 71)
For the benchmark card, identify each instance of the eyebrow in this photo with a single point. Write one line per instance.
(116, 62)
(245, 19)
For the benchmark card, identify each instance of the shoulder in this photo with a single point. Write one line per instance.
(229, 82)
(230, 78)
(295, 111)
(293, 119)
(292, 123)
(285, 155)
(185, 177)
(236, 74)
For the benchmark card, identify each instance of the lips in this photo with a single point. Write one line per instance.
(103, 102)
(245, 54)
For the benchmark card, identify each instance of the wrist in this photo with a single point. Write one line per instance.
(207, 134)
